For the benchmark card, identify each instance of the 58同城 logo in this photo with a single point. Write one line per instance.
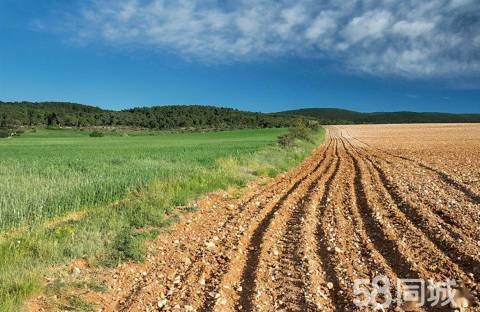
(380, 293)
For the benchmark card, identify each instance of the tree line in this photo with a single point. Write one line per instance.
(334, 116)
(60, 114)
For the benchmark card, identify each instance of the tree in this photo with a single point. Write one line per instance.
(52, 120)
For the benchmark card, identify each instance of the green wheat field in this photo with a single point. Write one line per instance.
(51, 172)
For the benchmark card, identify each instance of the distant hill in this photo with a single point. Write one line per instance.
(343, 116)
(54, 114)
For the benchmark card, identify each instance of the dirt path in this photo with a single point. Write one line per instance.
(349, 211)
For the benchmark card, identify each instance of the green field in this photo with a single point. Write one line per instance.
(52, 172)
(66, 195)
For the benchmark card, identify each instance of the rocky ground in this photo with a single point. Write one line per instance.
(396, 203)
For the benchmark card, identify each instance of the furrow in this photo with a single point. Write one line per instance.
(325, 252)
(420, 257)
(197, 277)
(259, 244)
(445, 177)
(453, 209)
(367, 253)
(218, 287)
(458, 247)
(209, 271)
(346, 251)
(281, 274)
(382, 237)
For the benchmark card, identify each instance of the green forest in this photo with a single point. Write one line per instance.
(59, 114)
(16, 115)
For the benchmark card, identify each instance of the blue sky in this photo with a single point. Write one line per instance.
(255, 55)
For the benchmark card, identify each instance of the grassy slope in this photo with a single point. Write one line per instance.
(121, 184)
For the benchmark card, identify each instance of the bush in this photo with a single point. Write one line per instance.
(302, 131)
(286, 140)
(313, 125)
(96, 134)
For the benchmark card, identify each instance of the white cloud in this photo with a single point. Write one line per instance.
(321, 25)
(412, 38)
(370, 25)
(290, 17)
(412, 29)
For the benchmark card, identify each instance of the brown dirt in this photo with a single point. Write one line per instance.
(402, 201)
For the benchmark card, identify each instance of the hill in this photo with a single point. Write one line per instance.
(53, 114)
(343, 116)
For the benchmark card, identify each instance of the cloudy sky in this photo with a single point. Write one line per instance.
(251, 54)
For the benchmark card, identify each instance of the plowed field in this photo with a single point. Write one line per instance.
(398, 201)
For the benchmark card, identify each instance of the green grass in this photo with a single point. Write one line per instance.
(66, 195)
(51, 172)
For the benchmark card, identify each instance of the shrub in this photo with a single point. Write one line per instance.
(285, 140)
(313, 125)
(96, 134)
(301, 131)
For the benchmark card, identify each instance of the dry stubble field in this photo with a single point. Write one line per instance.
(397, 200)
